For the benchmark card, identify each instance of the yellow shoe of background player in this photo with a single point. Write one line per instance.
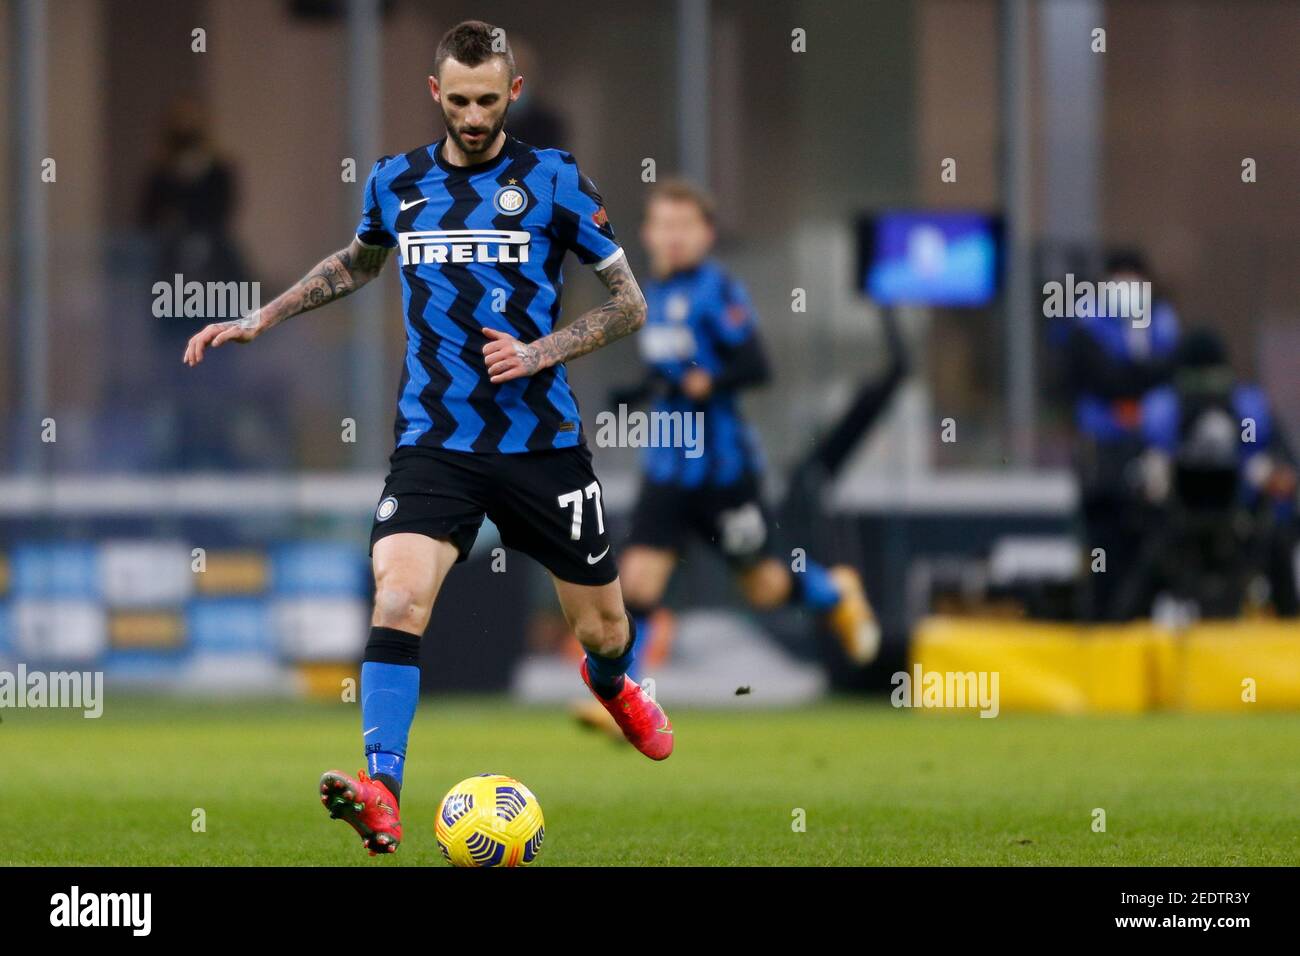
(852, 619)
(593, 716)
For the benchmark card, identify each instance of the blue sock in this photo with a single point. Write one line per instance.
(606, 673)
(390, 688)
(641, 627)
(814, 589)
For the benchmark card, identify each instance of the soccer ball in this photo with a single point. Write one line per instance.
(489, 820)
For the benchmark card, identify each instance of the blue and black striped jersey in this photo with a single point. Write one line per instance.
(695, 318)
(482, 246)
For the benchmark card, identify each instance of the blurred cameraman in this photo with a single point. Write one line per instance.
(1220, 469)
(1112, 363)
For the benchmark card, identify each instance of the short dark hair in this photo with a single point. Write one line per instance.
(683, 190)
(471, 42)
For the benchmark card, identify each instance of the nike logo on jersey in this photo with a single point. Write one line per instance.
(591, 560)
(411, 205)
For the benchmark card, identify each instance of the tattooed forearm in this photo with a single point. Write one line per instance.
(622, 315)
(337, 276)
(367, 260)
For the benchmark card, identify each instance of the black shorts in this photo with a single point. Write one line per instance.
(729, 518)
(546, 504)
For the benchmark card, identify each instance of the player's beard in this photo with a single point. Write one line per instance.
(488, 140)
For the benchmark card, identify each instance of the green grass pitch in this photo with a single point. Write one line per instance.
(878, 786)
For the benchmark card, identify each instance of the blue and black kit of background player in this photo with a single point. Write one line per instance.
(482, 246)
(701, 318)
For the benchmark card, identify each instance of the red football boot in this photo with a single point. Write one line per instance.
(642, 721)
(367, 805)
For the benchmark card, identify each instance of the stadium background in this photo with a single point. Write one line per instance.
(242, 457)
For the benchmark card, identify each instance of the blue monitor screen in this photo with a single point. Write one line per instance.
(929, 258)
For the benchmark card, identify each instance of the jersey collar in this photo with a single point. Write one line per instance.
(507, 150)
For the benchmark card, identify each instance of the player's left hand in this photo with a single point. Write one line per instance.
(507, 358)
(697, 384)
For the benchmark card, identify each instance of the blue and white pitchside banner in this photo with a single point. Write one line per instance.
(58, 630)
(56, 570)
(305, 568)
(145, 573)
(139, 612)
(230, 625)
(321, 628)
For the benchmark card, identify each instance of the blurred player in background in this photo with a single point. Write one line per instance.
(486, 421)
(701, 347)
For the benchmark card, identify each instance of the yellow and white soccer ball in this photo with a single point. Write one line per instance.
(489, 820)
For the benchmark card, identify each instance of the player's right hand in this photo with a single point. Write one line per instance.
(218, 334)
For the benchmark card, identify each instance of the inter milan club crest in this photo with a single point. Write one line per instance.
(510, 199)
(677, 308)
(386, 508)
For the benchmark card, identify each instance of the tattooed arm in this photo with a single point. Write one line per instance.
(341, 274)
(507, 358)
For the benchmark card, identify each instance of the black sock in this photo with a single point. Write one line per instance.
(391, 783)
(606, 673)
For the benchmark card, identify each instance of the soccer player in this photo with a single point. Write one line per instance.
(702, 347)
(486, 421)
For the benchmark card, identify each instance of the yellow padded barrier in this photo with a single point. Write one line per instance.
(1225, 661)
(1126, 669)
